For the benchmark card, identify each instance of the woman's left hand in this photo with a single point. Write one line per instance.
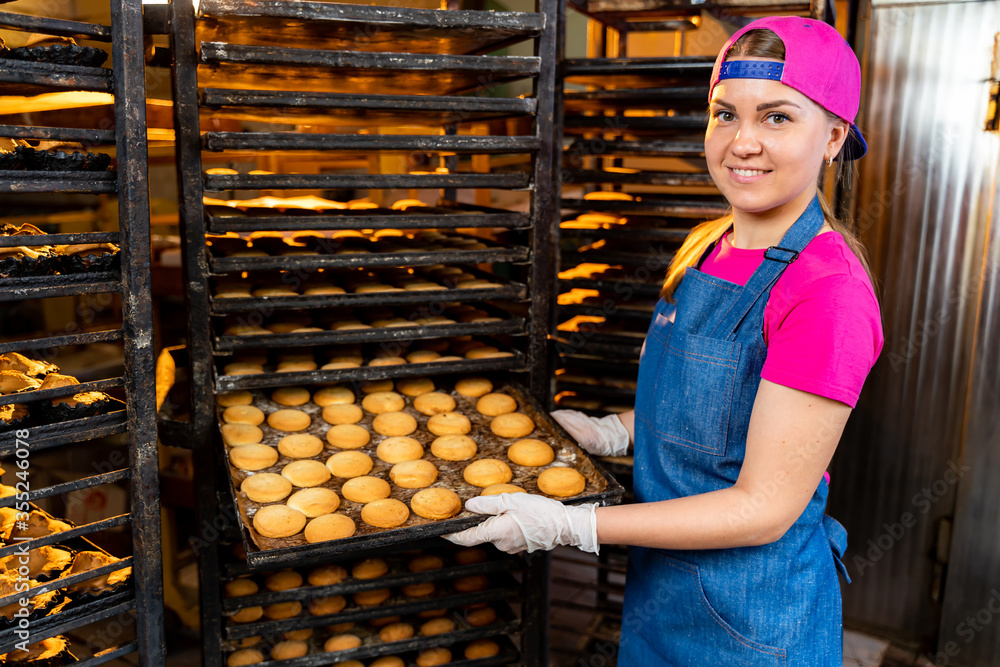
(524, 522)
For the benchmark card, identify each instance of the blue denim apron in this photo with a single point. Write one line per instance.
(777, 604)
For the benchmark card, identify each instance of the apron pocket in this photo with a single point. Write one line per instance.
(692, 621)
(694, 387)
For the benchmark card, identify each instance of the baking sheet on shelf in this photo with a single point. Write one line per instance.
(601, 487)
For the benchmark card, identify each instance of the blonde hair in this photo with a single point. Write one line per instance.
(759, 43)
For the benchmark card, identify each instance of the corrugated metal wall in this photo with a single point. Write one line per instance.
(922, 208)
(970, 626)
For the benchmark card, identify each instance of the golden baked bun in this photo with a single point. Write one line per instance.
(244, 657)
(342, 413)
(481, 648)
(325, 606)
(349, 464)
(241, 434)
(283, 580)
(531, 452)
(329, 527)
(266, 487)
(449, 423)
(454, 447)
(485, 472)
(414, 387)
(396, 632)
(373, 386)
(253, 457)
(240, 397)
(420, 589)
(305, 473)
(243, 414)
(383, 401)
(314, 502)
(385, 513)
(290, 396)
(493, 405)
(288, 420)
(365, 489)
(561, 482)
(397, 449)
(369, 568)
(480, 616)
(512, 425)
(388, 661)
(437, 626)
(278, 521)
(289, 649)
(425, 562)
(372, 598)
(473, 387)
(348, 436)
(436, 503)
(433, 403)
(413, 474)
(332, 396)
(238, 588)
(300, 446)
(394, 424)
(326, 575)
(430, 657)
(341, 643)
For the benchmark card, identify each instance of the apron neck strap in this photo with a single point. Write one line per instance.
(776, 260)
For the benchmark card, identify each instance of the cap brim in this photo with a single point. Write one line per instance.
(855, 146)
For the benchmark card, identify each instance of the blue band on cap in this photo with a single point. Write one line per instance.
(751, 69)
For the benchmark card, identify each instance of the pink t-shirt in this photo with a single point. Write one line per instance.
(822, 323)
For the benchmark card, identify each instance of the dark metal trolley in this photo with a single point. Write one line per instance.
(249, 79)
(98, 627)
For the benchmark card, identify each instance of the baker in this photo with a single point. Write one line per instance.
(754, 359)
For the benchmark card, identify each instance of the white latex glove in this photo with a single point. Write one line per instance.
(529, 523)
(603, 436)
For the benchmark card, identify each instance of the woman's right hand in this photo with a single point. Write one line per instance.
(603, 436)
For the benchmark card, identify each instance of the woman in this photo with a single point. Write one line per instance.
(752, 364)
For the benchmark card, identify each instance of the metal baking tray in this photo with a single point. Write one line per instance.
(268, 553)
(502, 587)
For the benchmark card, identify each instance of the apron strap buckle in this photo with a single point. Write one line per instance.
(791, 256)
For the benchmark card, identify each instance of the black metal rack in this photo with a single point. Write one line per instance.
(278, 80)
(412, 596)
(138, 602)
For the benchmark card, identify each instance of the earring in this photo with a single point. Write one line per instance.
(829, 162)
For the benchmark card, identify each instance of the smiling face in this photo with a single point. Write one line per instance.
(766, 143)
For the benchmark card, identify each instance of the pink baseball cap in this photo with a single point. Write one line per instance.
(819, 63)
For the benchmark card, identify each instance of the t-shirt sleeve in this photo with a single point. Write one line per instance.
(826, 339)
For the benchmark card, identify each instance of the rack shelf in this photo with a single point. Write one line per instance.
(54, 26)
(357, 27)
(366, 110)
(518, 362)
(292, 141)
(281, 68)
(32, 78)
